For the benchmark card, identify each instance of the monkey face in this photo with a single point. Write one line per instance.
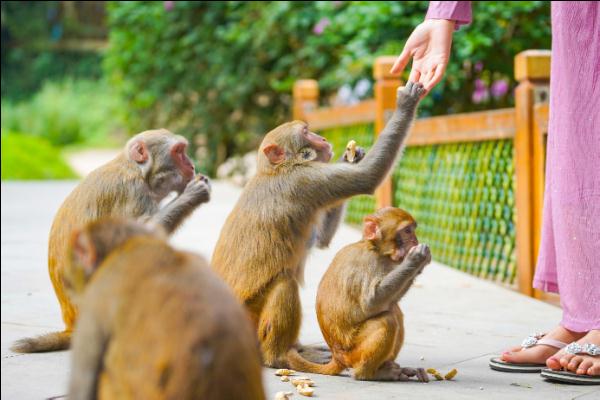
(392, 231)
(294, 142)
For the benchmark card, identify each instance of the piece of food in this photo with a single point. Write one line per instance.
(283, 395)
(285, 378)
(351, 151)
(302, 381)
(450, 374)
(306, 391)
(284, 372)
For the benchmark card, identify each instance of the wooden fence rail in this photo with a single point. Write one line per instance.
(525, 127)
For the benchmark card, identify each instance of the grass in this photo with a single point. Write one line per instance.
(27, 157)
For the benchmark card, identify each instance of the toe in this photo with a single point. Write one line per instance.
(585, 365)
(595, 369)
(553, 363)
(565, 359)
(574, 363)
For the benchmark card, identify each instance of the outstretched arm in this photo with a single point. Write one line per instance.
(329, 183)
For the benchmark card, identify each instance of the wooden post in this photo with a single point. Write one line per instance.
(306, 97)
(386, 85)
(532, 71)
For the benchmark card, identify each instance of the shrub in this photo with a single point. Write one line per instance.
(224, 70)
(67, 112)
(30, 157)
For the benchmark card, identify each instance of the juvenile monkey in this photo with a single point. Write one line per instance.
(357, 300)
(152, 165)
(263, 243)
(155, 323)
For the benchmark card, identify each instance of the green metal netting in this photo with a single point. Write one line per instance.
(462, 196)
(358, 206)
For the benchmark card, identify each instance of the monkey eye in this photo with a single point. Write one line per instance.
(308, 153)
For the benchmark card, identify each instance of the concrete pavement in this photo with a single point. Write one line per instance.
(452, 319)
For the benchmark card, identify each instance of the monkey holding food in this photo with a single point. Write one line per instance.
(357, 300)
(153, 164)
(263, 244)
(154, 323)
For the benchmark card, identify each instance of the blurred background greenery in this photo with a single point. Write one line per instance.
(88, 74)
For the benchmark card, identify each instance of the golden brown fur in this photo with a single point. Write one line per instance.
(263, 244)
(121, 188)
(156, 323)
(357, 300)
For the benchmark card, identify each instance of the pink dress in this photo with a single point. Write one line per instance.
(569, 256)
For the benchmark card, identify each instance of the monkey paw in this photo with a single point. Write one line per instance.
(409, 95)
(359, 155)
(420, 255)
(199, 189)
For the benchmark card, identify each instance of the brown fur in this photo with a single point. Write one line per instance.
(357, 300)
(262, 246)
(155, 323)
(121, 188)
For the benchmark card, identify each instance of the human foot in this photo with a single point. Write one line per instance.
(538, 354)
(581, 364)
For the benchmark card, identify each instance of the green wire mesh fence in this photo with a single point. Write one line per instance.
(462, 196)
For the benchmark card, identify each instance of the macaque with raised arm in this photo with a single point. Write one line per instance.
(153, 164)
(155, 322)
(263, 243)
(357, 300)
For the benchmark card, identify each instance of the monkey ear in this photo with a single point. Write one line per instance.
(84, 252)
(274, 153)
(138, 152)
(371, 229)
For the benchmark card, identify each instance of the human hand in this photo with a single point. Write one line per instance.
(429, 47)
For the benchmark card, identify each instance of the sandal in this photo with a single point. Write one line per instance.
(536, 339)
(571, 377)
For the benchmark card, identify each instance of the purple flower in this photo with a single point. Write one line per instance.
(169, 5)
(319, 28)
(499, 88)
(478, 66)
(479, 84)
(480, 95)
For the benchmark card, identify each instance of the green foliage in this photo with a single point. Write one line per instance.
(31, 44)
(29, 157)
(224, 70)
(68, 112)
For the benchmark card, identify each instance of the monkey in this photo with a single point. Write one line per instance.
(152, 165)
(263, 242)
(357, 300)
(155, 322)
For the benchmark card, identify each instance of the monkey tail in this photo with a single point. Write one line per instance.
(53, 341)
(299, 363)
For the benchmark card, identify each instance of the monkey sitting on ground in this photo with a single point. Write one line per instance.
(155, 323)
(153, 164)
(263, 244)
(357, 300)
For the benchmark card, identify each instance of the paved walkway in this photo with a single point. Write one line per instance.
(453, 320)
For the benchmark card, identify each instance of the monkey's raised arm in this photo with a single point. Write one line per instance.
(332, 182)
(173, 214)
(395, 284)
(89, 343)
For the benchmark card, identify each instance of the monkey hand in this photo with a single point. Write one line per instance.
(359, 154)
(408, 96)
(419, 256)
(198, 190)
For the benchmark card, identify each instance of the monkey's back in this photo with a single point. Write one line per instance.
(177, 330)
(102, 193)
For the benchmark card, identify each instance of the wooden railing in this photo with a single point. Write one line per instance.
(525, 127)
